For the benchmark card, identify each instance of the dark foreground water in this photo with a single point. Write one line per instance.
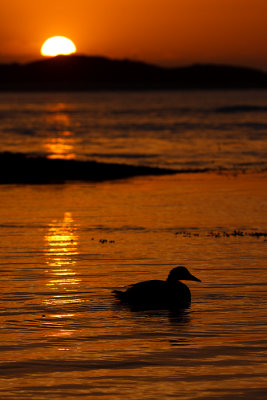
(64, 248)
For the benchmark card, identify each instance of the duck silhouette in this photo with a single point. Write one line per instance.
(158, 294)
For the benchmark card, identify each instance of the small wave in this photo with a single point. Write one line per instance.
(158, 111)
(241, 109)
(256, 126)
(133, 156)
(20, 131)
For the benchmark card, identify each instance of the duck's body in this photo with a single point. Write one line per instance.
(155, 294)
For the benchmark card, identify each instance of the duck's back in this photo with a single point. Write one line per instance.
(157, 294)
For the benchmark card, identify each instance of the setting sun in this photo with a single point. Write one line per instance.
(58, 45)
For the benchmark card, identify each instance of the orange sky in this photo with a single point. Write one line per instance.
(167, 32)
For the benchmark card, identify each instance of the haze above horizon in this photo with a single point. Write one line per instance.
(167, 33)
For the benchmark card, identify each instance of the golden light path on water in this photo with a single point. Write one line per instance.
(61, 248)
(60, 139)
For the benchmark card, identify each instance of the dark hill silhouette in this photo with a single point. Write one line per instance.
(77, 72)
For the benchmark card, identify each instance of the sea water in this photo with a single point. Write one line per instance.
(182, 130)
(64, 248)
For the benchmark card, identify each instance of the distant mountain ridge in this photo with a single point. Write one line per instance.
(78, 72)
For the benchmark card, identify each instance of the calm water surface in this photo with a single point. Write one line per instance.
(64, 248)
(182, 130)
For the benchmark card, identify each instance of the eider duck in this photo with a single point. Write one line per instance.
(158, 294)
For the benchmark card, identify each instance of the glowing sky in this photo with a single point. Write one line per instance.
(167, 32)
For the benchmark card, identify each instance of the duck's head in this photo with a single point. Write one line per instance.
(181, 273)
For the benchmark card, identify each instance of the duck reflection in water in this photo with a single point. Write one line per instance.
(157, 294)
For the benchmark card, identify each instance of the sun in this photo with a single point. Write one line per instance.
(57, 45)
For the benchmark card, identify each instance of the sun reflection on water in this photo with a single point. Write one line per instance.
(61, 250)
(61, 143)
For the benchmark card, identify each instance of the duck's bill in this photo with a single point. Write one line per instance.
(194, 278)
